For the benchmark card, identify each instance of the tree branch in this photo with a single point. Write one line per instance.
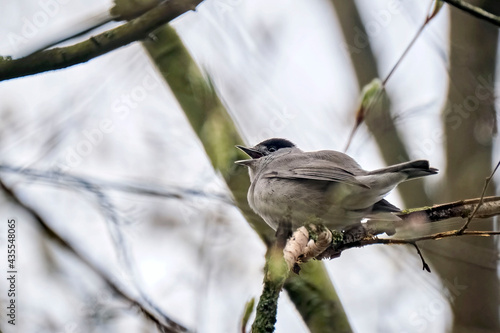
(461, 208)
(275, 274)
(95, 46)
(168, 326)
(436, 236)
(475, 11)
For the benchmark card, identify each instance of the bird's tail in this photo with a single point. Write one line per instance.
(413, 169)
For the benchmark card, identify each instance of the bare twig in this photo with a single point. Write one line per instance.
(364, 110)
(405, 52)
(169, 325)
(410, 241)
(475, 11)
(428, 18)
(424, 264)
(487, 182)
(95, 46)
(436, 236)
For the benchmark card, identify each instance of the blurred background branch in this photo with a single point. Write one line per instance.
(59, 178)
(475, 11)
(163, 322)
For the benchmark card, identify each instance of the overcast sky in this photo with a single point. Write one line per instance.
(281, 69)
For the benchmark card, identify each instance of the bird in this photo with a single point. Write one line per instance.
(320, 187)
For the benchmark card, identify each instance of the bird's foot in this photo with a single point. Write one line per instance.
(318, 242)
(305, 243)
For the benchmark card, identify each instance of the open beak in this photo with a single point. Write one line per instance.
(246, 163)
(253, 153)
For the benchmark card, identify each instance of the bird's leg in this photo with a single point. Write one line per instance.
(294, 248)
(283, 233)
(320, 239)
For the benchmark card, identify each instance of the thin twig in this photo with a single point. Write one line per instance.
(424, 264)
(475, 11)
(413, 241)
(428, 18)
(362, 113)
(412, 42)
(436, 236)
(481, 200)
(170, 327)
(375, 98)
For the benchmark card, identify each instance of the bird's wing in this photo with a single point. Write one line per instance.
(322, 165)
(384, 206)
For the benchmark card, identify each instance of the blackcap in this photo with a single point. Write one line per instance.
(320, 187)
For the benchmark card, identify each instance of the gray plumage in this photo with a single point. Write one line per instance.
(325, 186)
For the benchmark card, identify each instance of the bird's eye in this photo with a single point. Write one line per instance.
(272, 149)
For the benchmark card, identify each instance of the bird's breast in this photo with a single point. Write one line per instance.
(300, 201)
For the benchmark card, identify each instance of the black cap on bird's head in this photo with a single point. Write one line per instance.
(271, 145)
(264, 148)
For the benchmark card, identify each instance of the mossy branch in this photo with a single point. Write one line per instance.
(62, 57)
